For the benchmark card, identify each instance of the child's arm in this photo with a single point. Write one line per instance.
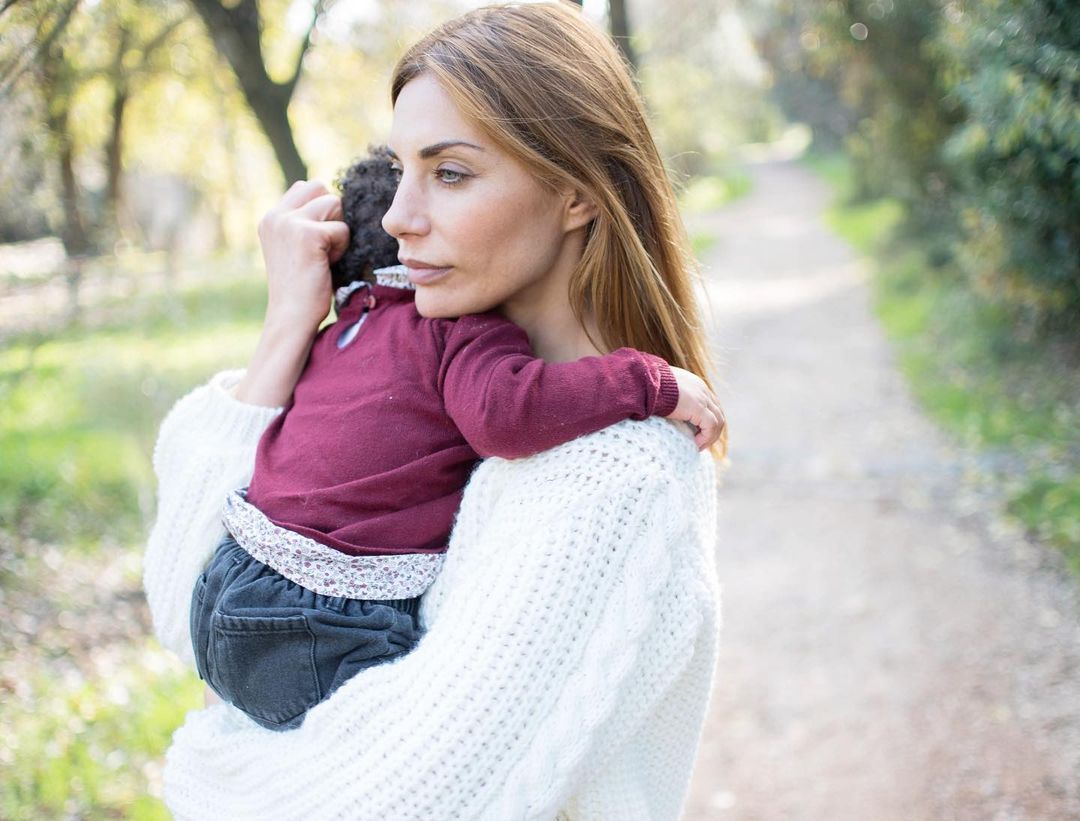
(507, 402)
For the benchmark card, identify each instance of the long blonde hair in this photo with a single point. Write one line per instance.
(553, 91)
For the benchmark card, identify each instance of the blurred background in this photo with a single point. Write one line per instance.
(885, 197)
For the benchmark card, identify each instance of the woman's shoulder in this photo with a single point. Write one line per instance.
(653, 444)
(653, 453)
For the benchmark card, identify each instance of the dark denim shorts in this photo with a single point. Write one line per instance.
(275, 649)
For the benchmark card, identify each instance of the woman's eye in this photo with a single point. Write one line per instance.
(450, 176)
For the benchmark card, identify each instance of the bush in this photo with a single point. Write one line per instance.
(968, 114)
(1016, 71)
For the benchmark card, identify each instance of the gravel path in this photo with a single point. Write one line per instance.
(891, 649)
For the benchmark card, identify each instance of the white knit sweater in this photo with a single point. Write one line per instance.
(568, 660)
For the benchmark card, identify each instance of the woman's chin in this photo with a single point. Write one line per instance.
(445, 301)
(431, 304)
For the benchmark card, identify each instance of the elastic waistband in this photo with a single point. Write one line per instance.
(409, 606)
(322, 569)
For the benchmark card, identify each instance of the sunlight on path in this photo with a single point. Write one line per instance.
(891, 650)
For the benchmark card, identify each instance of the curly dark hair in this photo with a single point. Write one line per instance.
(367, 190)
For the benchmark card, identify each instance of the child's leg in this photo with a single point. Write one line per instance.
(208, 588)
(275, 649)
(388, 629)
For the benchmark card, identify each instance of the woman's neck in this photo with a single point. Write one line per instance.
(543, 311)
(556, 334)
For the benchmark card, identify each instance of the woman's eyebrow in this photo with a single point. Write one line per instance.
(438, 148)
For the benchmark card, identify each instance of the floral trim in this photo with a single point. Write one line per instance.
(323, 569)
(342, 294)
(394, 276)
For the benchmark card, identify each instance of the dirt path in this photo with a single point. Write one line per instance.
(890, 649)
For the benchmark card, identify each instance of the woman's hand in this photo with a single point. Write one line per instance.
(300, 236)
(699, 407)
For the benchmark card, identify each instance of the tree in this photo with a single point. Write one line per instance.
(620, 31)
(619, 24)
(236, 30)
(877, 60)
(35, 89)
(138, 35)
(1014, 67)
(113, 42)
(48, 23)
(966, 113)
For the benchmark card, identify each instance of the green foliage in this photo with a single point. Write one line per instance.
(702, 243)
(803, 84)
(1050, 507)
(863, 223)
(712, 192)
(70, 70)
(865, 67)
(703, 93)
(90, 702)
(968, 114)
(81, 410)
(1016, 71)
(84, 751)
(997, 391)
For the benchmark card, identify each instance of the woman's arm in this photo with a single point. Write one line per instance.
(205, 449)
(206, 446)
(300, 236)
(556, 589)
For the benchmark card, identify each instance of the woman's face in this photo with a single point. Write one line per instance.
(475, 228)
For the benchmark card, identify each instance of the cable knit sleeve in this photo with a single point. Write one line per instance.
(557, 595)
(205, 449)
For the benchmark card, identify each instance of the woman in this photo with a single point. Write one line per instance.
(572, 632)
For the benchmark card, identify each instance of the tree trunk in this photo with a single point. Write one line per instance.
(114, 150)
(73, 230)
(270, 104)
(55, 86)
(235, 32)
(620, 31)
(114, 145)
(124, 76)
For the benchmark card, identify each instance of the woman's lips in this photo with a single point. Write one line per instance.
(422, 274)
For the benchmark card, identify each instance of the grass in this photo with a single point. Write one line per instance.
(90, 750)
(702, 242)
(712, 192)
(89, 700)
(864, 225)
(705, 194)
(82, 408)
(1014, 400)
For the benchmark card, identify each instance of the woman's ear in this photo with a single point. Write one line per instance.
(580, 210)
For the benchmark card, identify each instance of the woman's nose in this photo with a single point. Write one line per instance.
(407, 213)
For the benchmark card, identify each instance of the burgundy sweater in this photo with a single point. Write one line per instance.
(371, 454)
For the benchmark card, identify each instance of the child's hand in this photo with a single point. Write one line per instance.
(699, 407)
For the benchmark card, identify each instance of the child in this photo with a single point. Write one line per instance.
(356, 483)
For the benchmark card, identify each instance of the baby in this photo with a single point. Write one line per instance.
(356, 483)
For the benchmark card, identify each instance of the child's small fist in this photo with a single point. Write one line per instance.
(699, 407)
